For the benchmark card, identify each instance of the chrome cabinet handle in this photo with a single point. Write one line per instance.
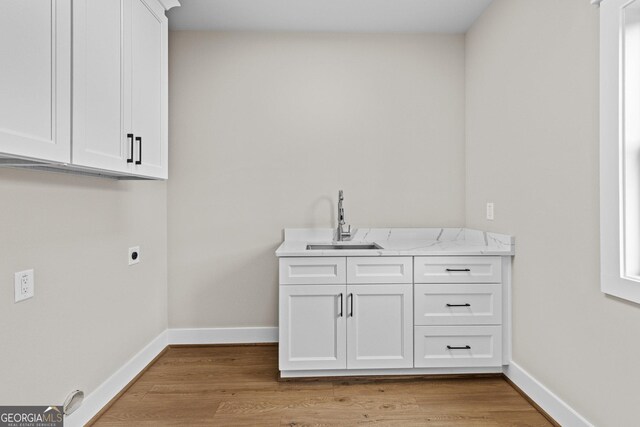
(458, 269)
(130, 137)
(350, 305)
(458, 305)
(341, 313)
(466, 347)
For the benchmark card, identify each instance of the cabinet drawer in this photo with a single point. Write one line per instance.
(473, 269)
(457, 346)
(313, 271)
(379, 270)
(454, 304)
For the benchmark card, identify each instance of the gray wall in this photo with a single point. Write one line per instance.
(264, 130)
(532, 148)
(91, 311)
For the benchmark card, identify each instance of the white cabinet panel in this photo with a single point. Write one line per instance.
(120, 86)
(379, 326)
(454, 304)
(379, 270)
(147, 34)
(35, 79)
(449, 269)
(99, 138)
(312, 327)
(307, 270)
(457, 346)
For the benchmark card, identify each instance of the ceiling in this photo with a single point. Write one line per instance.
(361, 16)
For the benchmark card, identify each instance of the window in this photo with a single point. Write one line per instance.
(620, 148)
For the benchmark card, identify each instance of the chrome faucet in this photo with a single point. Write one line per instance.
(340, 233)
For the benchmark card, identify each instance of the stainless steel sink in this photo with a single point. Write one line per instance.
(354, 247)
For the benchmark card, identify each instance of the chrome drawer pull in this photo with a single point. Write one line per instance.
(458, 305)
(466, 347)
(458, 269)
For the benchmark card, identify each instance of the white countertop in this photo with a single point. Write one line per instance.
(399, 241)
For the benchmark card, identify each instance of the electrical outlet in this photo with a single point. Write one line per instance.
(490, 211)
(134, 255)
(24, 285)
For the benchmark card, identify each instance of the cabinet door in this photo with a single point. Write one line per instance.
(312, 327)
(35, 79)
(99, 139)
(379, 326)
(146, 28)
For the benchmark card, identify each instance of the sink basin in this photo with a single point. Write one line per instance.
(338, 246)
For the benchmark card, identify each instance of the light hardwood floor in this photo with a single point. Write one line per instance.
(238, 386)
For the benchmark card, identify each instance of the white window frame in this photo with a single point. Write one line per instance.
(615, 277)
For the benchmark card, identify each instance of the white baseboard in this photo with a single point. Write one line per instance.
(106, 391)
(554, 406)
(223, 335)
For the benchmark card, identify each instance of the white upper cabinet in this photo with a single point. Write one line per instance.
(117, 123)
(99, 138)
(148, 71)
(120, 86)
(35, 79)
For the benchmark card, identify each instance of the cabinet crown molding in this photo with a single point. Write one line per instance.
(168, 4)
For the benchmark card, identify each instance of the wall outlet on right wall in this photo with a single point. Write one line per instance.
(490, 211)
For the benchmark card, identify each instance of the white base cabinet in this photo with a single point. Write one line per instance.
(328, 323)
(345, 327)
(379, 326)
(338, 316)
(313, 327)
